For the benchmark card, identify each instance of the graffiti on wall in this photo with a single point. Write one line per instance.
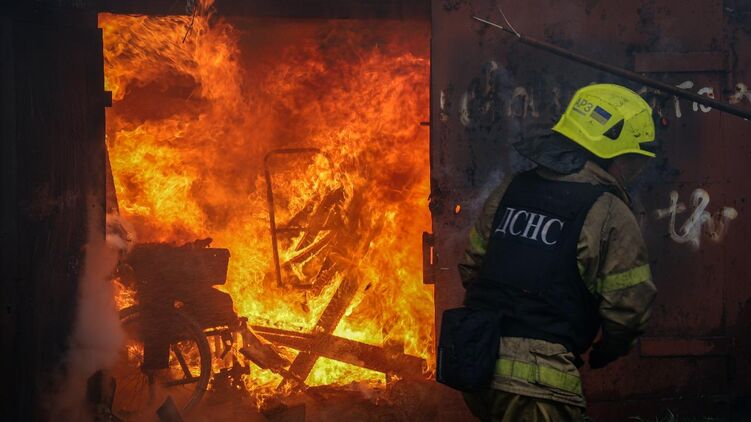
(660, 108)
(699, 222)
(520, 101)
(741, 93)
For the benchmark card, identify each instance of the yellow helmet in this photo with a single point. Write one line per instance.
(608, 120)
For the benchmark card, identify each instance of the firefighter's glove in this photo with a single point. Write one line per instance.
(599, 357)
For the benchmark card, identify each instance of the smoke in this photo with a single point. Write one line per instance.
(494, 179)
(97, 336)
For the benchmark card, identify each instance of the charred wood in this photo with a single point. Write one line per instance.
(353, 352)
(304, 361)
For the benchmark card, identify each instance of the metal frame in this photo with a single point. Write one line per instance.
(274, 229)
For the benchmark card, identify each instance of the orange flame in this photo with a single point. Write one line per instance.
(193, 117)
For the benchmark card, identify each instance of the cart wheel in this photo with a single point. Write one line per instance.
(139, 392)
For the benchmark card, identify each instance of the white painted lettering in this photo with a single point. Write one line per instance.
(513, 223)
(682, 85)
(506, 219)
(741, 93)
(533, 225)
(709, 92)
(715, 226)
(546, 229)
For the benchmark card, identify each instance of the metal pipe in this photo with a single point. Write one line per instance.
(562, 52)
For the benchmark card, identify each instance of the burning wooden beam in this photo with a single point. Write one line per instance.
(304, 361)
(349, 351)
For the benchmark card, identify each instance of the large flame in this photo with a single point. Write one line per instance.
(199, 101)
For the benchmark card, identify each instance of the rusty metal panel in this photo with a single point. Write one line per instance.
(670, 347)
(736, 150)
(488, 91)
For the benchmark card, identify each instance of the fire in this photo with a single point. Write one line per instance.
(199, 101)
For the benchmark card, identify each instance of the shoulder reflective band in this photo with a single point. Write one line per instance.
(476, 242)
(625, 279)
(544, 375)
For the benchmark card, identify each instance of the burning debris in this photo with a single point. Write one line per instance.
(178, 311)
(324, 284)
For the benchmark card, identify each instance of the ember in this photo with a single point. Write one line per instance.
(297, 146)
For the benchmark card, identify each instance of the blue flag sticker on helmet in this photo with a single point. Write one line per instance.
(601, 115)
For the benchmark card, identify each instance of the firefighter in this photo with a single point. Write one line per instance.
(559, 252)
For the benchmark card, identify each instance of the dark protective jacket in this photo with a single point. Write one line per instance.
(530, 269)
(611, 259)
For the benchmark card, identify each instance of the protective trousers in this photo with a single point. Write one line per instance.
(499, 406)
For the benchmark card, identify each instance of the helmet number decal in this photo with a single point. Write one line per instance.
(583, 107)
(587, 108)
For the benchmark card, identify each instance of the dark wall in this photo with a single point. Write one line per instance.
(52, 128)
(488, 91)
(315, 9)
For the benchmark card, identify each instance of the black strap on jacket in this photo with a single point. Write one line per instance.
(530, 271)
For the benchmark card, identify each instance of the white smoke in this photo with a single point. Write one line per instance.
(475, 204)
(97, 336)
